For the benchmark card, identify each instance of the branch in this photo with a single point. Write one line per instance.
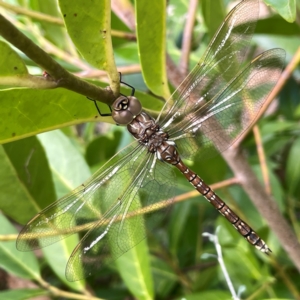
(63, 294)
(32, 14)
(61, 76)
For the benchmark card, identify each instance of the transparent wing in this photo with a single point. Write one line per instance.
(105, 207)
(68, 215)
(220, 63)
(221, 121)
(141, 203)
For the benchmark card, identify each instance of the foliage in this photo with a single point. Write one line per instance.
(51, 144)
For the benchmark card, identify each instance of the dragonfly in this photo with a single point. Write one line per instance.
(133, 191)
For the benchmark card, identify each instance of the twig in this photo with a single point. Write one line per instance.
(57, 21)
(62, 77)
(286, 279)
(144, 210)
(62, 294)
(32, 14)
(187, 37)
(262, 159)
(123, 35)
(286, 74)
(174, 75)
(125, 11)
(132, 69)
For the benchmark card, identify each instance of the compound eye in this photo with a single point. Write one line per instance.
(125, 109)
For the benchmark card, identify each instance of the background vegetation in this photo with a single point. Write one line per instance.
(40, 163)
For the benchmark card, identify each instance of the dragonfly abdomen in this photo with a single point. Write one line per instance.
(242, 227)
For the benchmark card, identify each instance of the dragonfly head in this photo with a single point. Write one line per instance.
(125, 109)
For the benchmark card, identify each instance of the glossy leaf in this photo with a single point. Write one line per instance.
(151, 44)
(52, 32)
(63, 157)
(164, 277)
(209, 295)
(59, 150)
(293, 169)
(26, 179)
(88, 24)
(68, 167)
(21, 294)
(213, 13)
(37, 111)
(276, 25)
(21, 264)
(96, 154)
(57, 256)
(134, 268)
(286, 8)
(10, 62)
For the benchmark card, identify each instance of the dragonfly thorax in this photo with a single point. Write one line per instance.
(144, 128)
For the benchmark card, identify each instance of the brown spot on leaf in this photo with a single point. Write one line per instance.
(13, 134)
(75, 14)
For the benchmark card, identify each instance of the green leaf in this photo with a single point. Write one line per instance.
(27, 180)
(10, 62)
(21, 264)
(164, 277)
(88, 24)
(275, 25)
(209, 295)
(252, 274)
(22, 294)
(151, 35)
(177, 225)
(293, 169)
(36, 111)
(134, 268)
(96, 154)
(276, 187)
(52, 32)
(69, 170)
(57, 256)
(286, 8)
(213, 14)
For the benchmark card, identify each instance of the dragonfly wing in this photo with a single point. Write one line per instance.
(223, 119)
(141, 203)
(69, 214)
(220, 63)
